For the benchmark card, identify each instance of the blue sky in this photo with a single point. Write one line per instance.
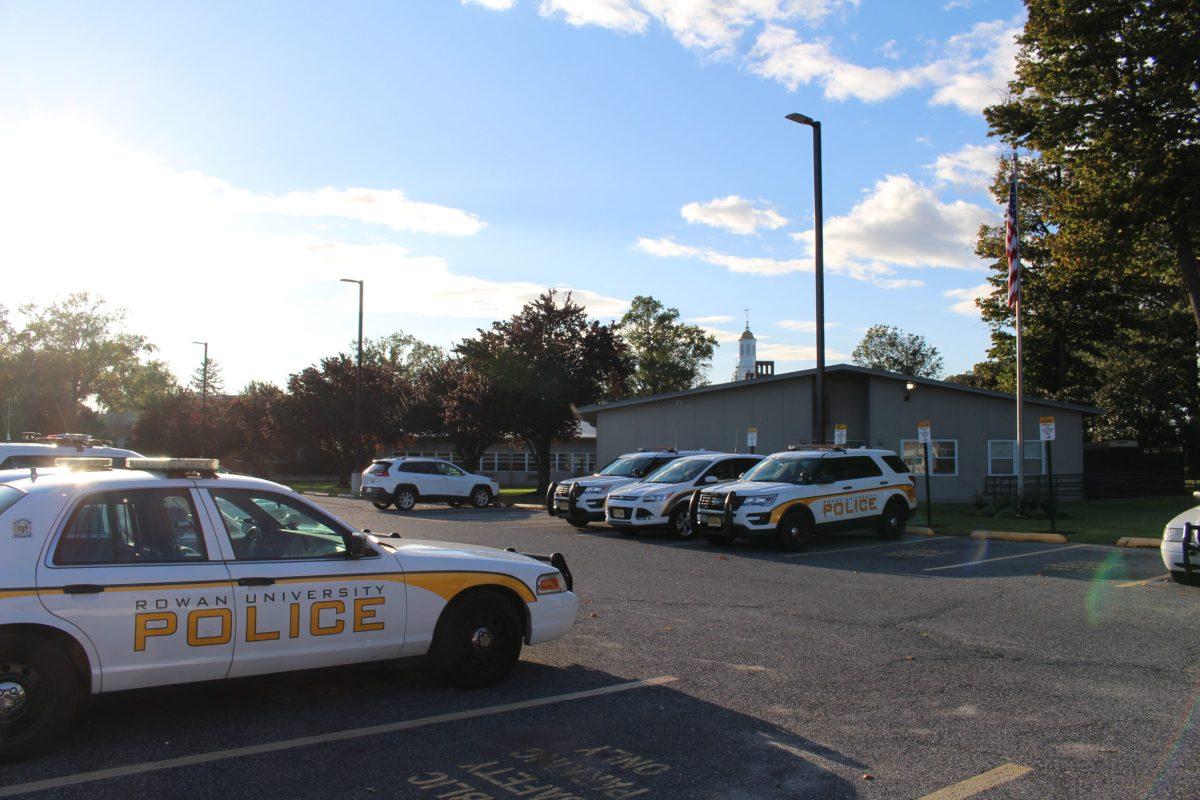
(216, 167)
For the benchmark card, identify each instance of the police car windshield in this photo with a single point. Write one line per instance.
(677, 472)
(629, 467)
(783, 470)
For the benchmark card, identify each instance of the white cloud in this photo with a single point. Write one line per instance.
(970, 165)
(734, 214)
(902, 223)
(388, 207)
(796, 352)
(965, 299)
(715, 319)
(615, 15)
(890, 49)
(802, 325)
(971, 72)
(494, 5)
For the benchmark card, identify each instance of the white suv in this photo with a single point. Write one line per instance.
(662, 498)
(405, 481)
(791, 496)
(581, 501)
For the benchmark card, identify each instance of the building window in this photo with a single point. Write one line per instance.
(1000, 457)
(943, 453)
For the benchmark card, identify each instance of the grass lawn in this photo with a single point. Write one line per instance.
(1091, 521)
(315, 486)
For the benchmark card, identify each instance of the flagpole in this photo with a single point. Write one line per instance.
(1019, 455)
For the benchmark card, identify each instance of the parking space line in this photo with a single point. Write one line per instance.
(1005, 558)
(980, 783)
(919, 540)
(306, 741)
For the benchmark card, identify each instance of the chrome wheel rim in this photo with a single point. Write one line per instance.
(12, 698)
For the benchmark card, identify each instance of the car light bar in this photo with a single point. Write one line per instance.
(84, 464)
(174, 464)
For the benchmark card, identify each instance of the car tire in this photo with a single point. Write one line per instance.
(719, 539)
(1185, 578)
(681, 522)
(37, 675)
(477, 640)
(481, 497)
(893, 520)
(454, 503)
(794, 531)
(382, 505)
(405, 498)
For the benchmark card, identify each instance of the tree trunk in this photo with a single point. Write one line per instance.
(471, 453)
(1187, 265)
(541, 454)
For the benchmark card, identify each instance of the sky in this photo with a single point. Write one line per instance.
(215, 168)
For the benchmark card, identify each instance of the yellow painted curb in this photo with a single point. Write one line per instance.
(921, 530)
(1013, 536)
(1138, 541)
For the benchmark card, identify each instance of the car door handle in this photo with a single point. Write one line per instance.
(851, 486)
(82, 588)
(883, 483)
(255, 581)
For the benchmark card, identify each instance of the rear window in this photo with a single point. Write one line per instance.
(9, 496)
(896, 463)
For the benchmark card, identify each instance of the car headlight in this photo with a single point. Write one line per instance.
(759, 500)
(1173, 535)
(551, 583)
(657, 497)
(594, 490)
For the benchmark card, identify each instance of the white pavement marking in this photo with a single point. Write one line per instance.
(306, 741)
(866, 547)
(980, 783)
(1005, 558)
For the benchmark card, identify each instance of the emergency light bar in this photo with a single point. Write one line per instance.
(84, 464)
(174, 464)
(80, 440)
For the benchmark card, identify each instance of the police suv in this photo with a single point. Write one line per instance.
(791, 496)
(1180, 548)
(662, 497)
(403, 481)
(581, 501)
(167, 572)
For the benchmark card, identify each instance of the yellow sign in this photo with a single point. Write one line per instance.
(924, 431)
(839, 433)
(1046, 428)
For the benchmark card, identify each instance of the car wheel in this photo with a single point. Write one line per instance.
(894, 520)
(477, 640)
(719, 539)
(481, 497)
(39, 694)
(1185, 578)
(404, 498)
(795, 530)
(681, 522)
(382, 505)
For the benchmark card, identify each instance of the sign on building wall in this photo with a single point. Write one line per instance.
(751, 437)
(924, 432)
(1046, 428)
(839, 433)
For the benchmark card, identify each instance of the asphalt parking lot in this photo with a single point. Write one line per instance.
(935, 667)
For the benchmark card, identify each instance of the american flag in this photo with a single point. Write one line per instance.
(1012, 243)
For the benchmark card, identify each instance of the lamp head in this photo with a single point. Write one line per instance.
(802, 119)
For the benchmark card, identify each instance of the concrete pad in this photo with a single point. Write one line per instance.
(1016, 536)
(920, 530)
(1138, 541)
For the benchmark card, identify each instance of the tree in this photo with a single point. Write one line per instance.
(544, 361)
(471, 413)
(889, 348)
(257, 417)
(211, 377)
(669, 355)
(1107, 91)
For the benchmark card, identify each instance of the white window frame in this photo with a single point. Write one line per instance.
(1013, 442)
(931, 445)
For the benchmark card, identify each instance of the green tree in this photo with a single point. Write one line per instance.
(669, 355)
(889, 348)
(213, 376)
(544, 361)
(1108, 91)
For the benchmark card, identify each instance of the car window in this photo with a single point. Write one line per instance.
(418, 467)
(268, 526)
(9, 496)
(783, 469)
(896, 463)
(677, 471)
(853, 467)
(727, 469)
(448, 469)
(135, 526)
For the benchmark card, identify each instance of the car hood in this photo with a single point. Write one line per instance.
(604, 482)
(751, 487)
(428, 548)
(1192, 515)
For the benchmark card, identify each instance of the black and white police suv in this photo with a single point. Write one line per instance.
(662, 498)
(791, 496)
(404, 481)
(167, 572)
(581, 500)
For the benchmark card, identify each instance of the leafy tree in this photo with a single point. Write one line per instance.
(215, 379)
(471, 413)
(544, 361)
(889, 348)
(1107, 90)
(669, 355)
(257, 417)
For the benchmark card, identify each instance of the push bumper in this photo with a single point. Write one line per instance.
(578, 508)
(737, 523)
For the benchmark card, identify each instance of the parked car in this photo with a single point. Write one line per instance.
(1180, 546)
(43, 452)
(581, 501)
(403, 482)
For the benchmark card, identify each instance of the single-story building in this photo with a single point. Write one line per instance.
(973, 430)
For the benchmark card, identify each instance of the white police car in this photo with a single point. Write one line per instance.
(403, 481)
(1180, 546)
(790, 496)
(166, 573)
(581, 501)
(662, 497)
(43, 451)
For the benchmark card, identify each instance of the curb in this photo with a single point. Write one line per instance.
(1013, 536)
(920, 530)
(1138, 541)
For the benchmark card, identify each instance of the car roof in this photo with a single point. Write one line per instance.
(66, 450)
(827, 453)
(100, 480)
(717, 456)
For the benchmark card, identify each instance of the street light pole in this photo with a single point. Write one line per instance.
(358, 376)
(204, 402)
(819, 270)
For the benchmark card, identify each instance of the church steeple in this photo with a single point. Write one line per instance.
(747, 353)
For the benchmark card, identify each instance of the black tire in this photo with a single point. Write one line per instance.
(794, 531)
(894, 519)
(405, 498)
(454, 503)
(477, 641)
(1185, 578)
(38, 676)
(681, 522)
(719, 539)
(382, 505)
(481, 497)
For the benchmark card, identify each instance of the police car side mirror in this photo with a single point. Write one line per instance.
(356, 547)
(711, 479)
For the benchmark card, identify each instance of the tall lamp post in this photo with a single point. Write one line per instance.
(358, 377)
(820, 271)
(204, 401)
